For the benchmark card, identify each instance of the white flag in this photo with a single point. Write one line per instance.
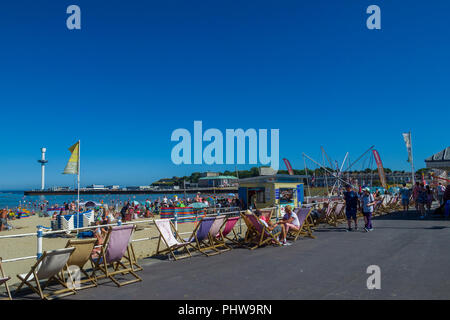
(407, 138)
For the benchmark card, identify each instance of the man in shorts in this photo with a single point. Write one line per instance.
(351, 206)
(406, 194)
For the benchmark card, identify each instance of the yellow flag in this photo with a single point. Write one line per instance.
(72, 165)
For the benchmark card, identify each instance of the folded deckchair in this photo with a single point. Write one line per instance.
(169, 235)
(4, 280)
(48, 266)
(217, 225)
(80, 256)
(199, 239)
(263, 236)
(112, 255)
(304, 217)
(227, 230)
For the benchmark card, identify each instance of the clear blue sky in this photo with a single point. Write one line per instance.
(137, 70)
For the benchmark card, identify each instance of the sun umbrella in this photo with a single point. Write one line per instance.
(198, 205)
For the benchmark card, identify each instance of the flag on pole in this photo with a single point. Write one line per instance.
(72, 164)
(407, 138)
(288, 166)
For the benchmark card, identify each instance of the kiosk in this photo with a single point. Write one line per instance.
(271, 191)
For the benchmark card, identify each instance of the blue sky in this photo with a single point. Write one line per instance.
(137, 70)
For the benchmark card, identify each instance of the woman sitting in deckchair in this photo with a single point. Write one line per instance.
(274, 228)
(100, 234)
(289, 221)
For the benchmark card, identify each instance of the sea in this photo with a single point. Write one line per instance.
(14, 199)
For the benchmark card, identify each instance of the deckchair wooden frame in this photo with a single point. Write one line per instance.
(2, 274)
(38, 289)
(251, 232)
(218, 241)
(204, 245)
(171, 250)
(263, 237)
(88, 279)
(235, 239)
(119, 267)
(304, 230)
(340, 216)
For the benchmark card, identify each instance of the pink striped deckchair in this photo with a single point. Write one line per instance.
(263, 236)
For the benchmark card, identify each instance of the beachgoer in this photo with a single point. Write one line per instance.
(3, 219)
(440, 193)
(416, 194)
(405, 194)
(367, 202)
(290, 221)
(351, 206)
(274, 228)
(430, 197)
(422, 199)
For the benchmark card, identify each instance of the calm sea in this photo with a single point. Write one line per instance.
(13, 199)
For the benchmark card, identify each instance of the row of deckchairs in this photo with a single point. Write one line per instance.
(66, 267)
(214, 235)
(335, 210)
(209, 237)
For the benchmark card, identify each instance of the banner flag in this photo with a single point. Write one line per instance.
(407, 138)
(288, 166)
(72, 164)
(380, 168)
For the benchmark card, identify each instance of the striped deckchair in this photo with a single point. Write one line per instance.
(170, 237)
(304, 217)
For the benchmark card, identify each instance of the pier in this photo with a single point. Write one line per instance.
(122, 191)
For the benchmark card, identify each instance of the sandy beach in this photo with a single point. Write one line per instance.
(27, 246)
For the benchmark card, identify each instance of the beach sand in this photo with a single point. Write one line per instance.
(27, 246)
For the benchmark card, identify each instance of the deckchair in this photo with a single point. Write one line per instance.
(80, 256)
(339, 213)
(112, 255)
(332, 217)
(251, 232)
(217, 225)
(329, 213)
(263, 235)
(304, 218)
(4, 280)
(228, 229)
(199, 239)
(172, 240)
(47, 268)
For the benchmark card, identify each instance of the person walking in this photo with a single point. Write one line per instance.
(421, 201)
(440, 193)
(367, 203)
(351, 206)
(405, 194)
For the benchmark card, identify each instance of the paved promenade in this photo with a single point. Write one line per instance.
(413, 255)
